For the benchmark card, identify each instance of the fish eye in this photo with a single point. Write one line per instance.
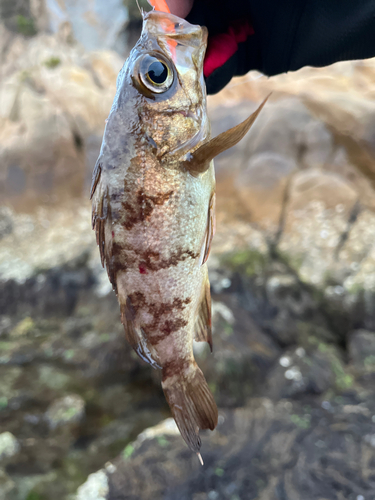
(155, 73)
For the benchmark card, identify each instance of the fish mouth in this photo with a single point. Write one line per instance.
(159, 24)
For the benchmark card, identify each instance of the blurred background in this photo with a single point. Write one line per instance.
(292, 274)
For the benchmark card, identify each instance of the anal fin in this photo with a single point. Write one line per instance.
(203, 325)
(136, 337)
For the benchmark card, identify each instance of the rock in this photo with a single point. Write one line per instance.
(95, 488)
(256, 451)
(262, 185)
(242, 352)
(96, 25)
(18, 16)
(299, 372)
(54, 100)
(30, 269)
(69, 410)
(317, 216)
(292, 270)
(362, 350)
(6, 223)
(9, 446)
(8, 489)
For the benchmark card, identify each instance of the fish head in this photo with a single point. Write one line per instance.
(161, 95)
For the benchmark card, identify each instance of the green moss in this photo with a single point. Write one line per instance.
(219, 472)
(24, 328)
(343, 380)
(104, 337)
(369, 362)
(6, 346)
(213, 387)
(292, 261)
(69, 354)
(301, 421)
(311, 334)
(128, 451)
(70, 413)
(248, 262)
(162, 441)
(356, 289)
(3, 403)
(228, 330)
(25, 26)
(52, 62)
(323, 347)
(33, 495)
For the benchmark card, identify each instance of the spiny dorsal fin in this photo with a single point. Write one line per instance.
(203, 328)
(199, 161)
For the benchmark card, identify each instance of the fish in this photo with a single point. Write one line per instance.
(153, 209)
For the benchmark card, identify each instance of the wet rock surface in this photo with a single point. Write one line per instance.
(306, 449)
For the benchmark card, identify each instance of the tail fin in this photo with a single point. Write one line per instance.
(191, 402)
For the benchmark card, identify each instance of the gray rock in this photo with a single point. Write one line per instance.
(242, 352)
(8, 488)
(69, 410)
(96, 25)
(95, 488)
(362, 350)
(298, 372)
(261, 186)
(9, 445)
(266, 450)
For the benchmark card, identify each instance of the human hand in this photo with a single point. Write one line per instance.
(222, 60)
(180, 8)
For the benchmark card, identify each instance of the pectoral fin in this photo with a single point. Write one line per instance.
(199, 161)
(136, 337)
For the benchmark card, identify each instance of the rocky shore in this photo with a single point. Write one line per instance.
(292, 276)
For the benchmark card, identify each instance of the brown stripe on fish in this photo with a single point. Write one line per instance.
(173, 325)
(158, 310)
(175, 367)
(138, 300)
(152, 261)
(142, 206)
(159, 327)
(170, 326)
